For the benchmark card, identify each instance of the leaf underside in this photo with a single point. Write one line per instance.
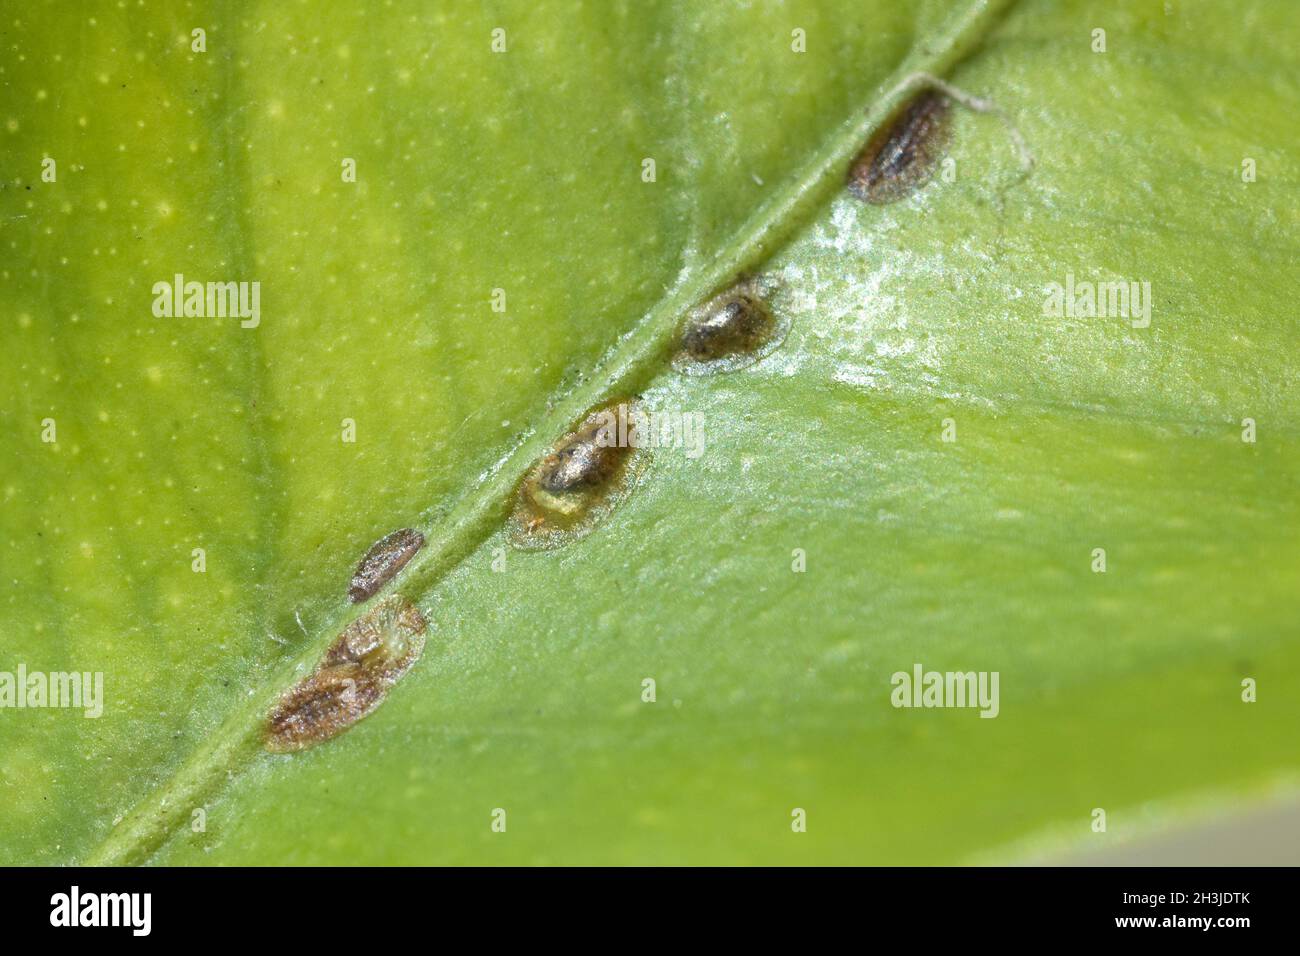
(522, 171)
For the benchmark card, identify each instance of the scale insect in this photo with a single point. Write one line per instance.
(733, 329)
(385, 558)
(902, 156)
(580, 481)
(352, 679)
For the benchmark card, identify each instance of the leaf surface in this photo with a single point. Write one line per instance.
(522, 171)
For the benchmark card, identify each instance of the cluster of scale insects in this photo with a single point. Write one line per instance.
(584, 476)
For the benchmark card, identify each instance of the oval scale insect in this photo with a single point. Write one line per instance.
(733, 329)
(385, 558)
(352, 679)
(903, 154)
(574, 486)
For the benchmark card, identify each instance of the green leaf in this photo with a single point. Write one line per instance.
(522, 171)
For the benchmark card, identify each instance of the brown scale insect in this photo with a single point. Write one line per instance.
(353, 678)
(385, 558)
(902, 156)
(581, 462)
(580, 480)
(739, 323)
(733, 329)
